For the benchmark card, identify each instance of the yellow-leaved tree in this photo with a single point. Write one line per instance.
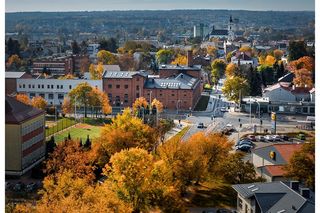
(138, 103)
(180, 59)
(39, 102)
(157, 104)
(23, 98)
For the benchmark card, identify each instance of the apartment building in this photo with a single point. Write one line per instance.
(25, 135)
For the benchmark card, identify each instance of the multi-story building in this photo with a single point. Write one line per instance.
(123, 87)
(25, 135)
(53, 90)
(61, 65)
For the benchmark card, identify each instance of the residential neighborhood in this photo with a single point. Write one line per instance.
(163, 110)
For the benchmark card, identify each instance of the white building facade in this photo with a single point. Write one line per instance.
(52, 90)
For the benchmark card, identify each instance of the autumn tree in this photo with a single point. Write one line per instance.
(75, 47)
(254, 82)
(234, 170)
(106, 57)
(304, 69)
(302, 165)
(180, 59)
(69, 155)
(229, 56)
(246, 49)
(80, 95)
(164, 56)
(267, 74)
(138, 103)
(68, 193)
(157, 104)
(14, 62)
(23, 98)
(278, 54)
(67, 106)
(233, 86)
(230, 69)
(84, 65)
(218, 68)
(269, 60)
(39, 102)
(212, 51)
(127, 62)
(101, 100)
(140, 181)
(96, 72)
(126, 131)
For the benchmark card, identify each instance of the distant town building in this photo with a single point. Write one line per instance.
(200, 30)
(92, 50)
(244, 58)
(25, 135)
(278, 197)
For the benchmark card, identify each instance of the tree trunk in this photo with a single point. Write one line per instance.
(85, 110)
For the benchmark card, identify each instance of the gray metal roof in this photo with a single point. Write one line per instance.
(179, 67)
(14, 74)
(123, 74)
(274, 197)
(264, 152)
(182, 81)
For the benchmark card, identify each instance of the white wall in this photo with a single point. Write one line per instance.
(279, 94)
(57, 88)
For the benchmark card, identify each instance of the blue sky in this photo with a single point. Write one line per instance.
(99, 5)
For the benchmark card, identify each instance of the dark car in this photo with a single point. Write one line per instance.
(244, 147)
(284, 137)
(200, 125)
(251, 137)
(245, 141)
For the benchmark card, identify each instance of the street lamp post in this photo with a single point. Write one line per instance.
(250, 112)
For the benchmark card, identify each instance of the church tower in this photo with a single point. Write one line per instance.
(230, 29)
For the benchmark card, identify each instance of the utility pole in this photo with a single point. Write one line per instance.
(250, 112)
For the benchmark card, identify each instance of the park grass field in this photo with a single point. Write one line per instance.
(79, 131)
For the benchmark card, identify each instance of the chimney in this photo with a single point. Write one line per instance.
(294, 185)
(189, 58)
(305, 192)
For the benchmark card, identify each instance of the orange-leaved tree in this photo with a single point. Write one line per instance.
(139, 102)
(39, 102)
(23, 98)
(157, 104)
(67, 106)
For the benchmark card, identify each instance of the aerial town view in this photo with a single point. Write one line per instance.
(159, 106)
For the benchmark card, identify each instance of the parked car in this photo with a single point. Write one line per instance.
(244, 148)
(301, 136)
(252, 137)
(8, 185)
(17, 187)
(200, 125)
(261, 138)
(223, 109)
(269, 138)
(276, 137)
(284, 137)
(244, 141)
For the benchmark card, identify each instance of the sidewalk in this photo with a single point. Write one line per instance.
(175, 130)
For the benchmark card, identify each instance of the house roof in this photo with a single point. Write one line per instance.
(182, 81)
(313, 90)
(18, 112)
(219, 32)
(287, 77)
(111, 67)
(287, 86)
(123, 74)
(179, 67)
(274, 170)
(14, 74)
(283, 152)
(275, 197)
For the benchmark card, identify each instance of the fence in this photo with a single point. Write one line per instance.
(60, 125)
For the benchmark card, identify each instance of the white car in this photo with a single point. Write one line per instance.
(276, 137)
(223, 109)
(269, 138)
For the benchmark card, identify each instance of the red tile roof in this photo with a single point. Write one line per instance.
(275, 170)
(287, 150)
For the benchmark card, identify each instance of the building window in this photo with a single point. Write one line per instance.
(52, 86)
(185, 95)
(61, 86)
(19, 85)
(32, 86)
(160, 94)
(138, 79)
(42, 86)
(48, 86)
(172, 94)
(110, 97)
(42, 95)
(57, 86)
(24, 86)
(311, 109)
(126, 86)
(138, 87)
(29, 86)
(60, 96)
(70, 87)
(137, 95)
(118, 86)
(38, 86)
(50, 96)
(126, 98)
(109, 86)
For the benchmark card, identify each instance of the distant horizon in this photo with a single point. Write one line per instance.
(12, 6)
(128, 10)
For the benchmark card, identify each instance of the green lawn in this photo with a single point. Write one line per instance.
(202, 103)
(77, 133)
